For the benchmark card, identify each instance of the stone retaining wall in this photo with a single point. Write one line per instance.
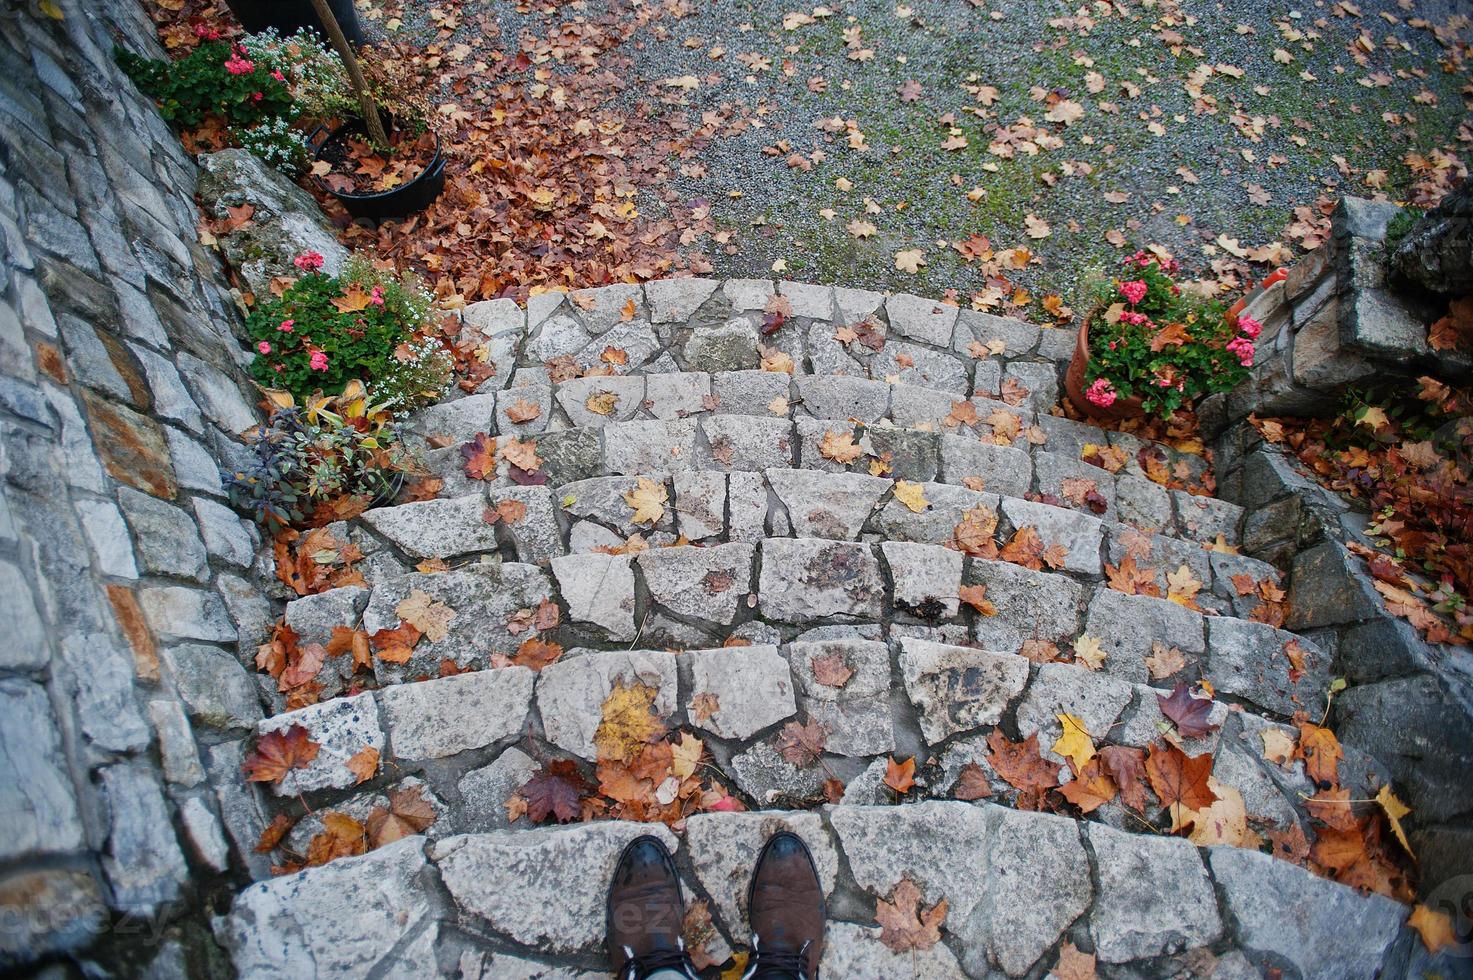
(1408, 703)
(1334, 322)
(123, 574)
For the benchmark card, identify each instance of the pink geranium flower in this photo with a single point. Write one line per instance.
(308, 261)
(1250, 327)
(1133, 291)
(1243, 348)
(1101, 393)
(377, 296)
(318, 361)
(276, 74)
(263, 347)
(238, 65)
(287, 326)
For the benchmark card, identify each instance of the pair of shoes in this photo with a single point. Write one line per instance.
(784, 908)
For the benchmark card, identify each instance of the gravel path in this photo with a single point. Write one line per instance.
(1164, 123)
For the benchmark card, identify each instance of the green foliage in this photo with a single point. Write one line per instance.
(215, 79)
(1397, 228)
(297, 465)
(325, 331)
(1164, 345)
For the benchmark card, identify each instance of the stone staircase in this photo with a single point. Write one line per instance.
(834, 515)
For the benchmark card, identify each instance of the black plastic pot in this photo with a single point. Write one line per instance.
(409, 197)
(288, 16)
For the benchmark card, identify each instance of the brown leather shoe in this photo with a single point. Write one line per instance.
(785, 911)
(645, 912)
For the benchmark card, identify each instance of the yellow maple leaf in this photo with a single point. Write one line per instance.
(1182, 587)
(1395, 809)
(1435, 928)
(910, 260)
(1375, 419)
(686, 755)
(352, 300)
(1224, 821)
(648, 500)
(426, 614)
(912, 495)
(601, 402)
(839, 447)
(1087, 650)
(1075, 743)
(1278, 746)
(629, 722)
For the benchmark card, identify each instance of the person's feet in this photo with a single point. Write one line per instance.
(785, 911)
(645, 912)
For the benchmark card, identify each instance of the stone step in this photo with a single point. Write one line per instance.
(705, 325)
(750, 444)
(711, 507)
(689, 596)
(909, 697)
(1017, 886)
(922, 429)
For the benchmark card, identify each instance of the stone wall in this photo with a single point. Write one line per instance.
(123, 574)
(1335, 321)
(1407, 703)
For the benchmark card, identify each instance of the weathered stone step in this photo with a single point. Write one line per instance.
(1017, 885)
(922, 430)
(709, 507)
(688, 596)
(705, 325)
(908, 697)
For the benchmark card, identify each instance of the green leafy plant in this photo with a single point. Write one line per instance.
(314, 464)
(320, 86)
(1150, 339)
(325, 331)
(215, 79)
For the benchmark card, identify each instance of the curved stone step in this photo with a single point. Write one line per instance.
(1017, 887)
(705, 325)
(924, 431)
(689, 596)
(711, 507)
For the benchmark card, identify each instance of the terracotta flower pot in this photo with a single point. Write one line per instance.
(1074, 385)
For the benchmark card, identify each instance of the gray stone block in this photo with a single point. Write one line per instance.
(342, 728)
(168, 543)
(449, 715)
(742, 443)
(1030, 605)
(344, 917)
(35, 788)
(1154, 896)
(927, 320)
(957, 689)
(1323, 928)
(215, 687)
(827, 505)
(571, 691)
(144, 865)
(805, 580)
(707, 584)
(751, 685)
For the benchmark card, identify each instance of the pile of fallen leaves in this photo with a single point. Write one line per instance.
(1406, 458)
(356, 166)
(644, 772)
(551, 161)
